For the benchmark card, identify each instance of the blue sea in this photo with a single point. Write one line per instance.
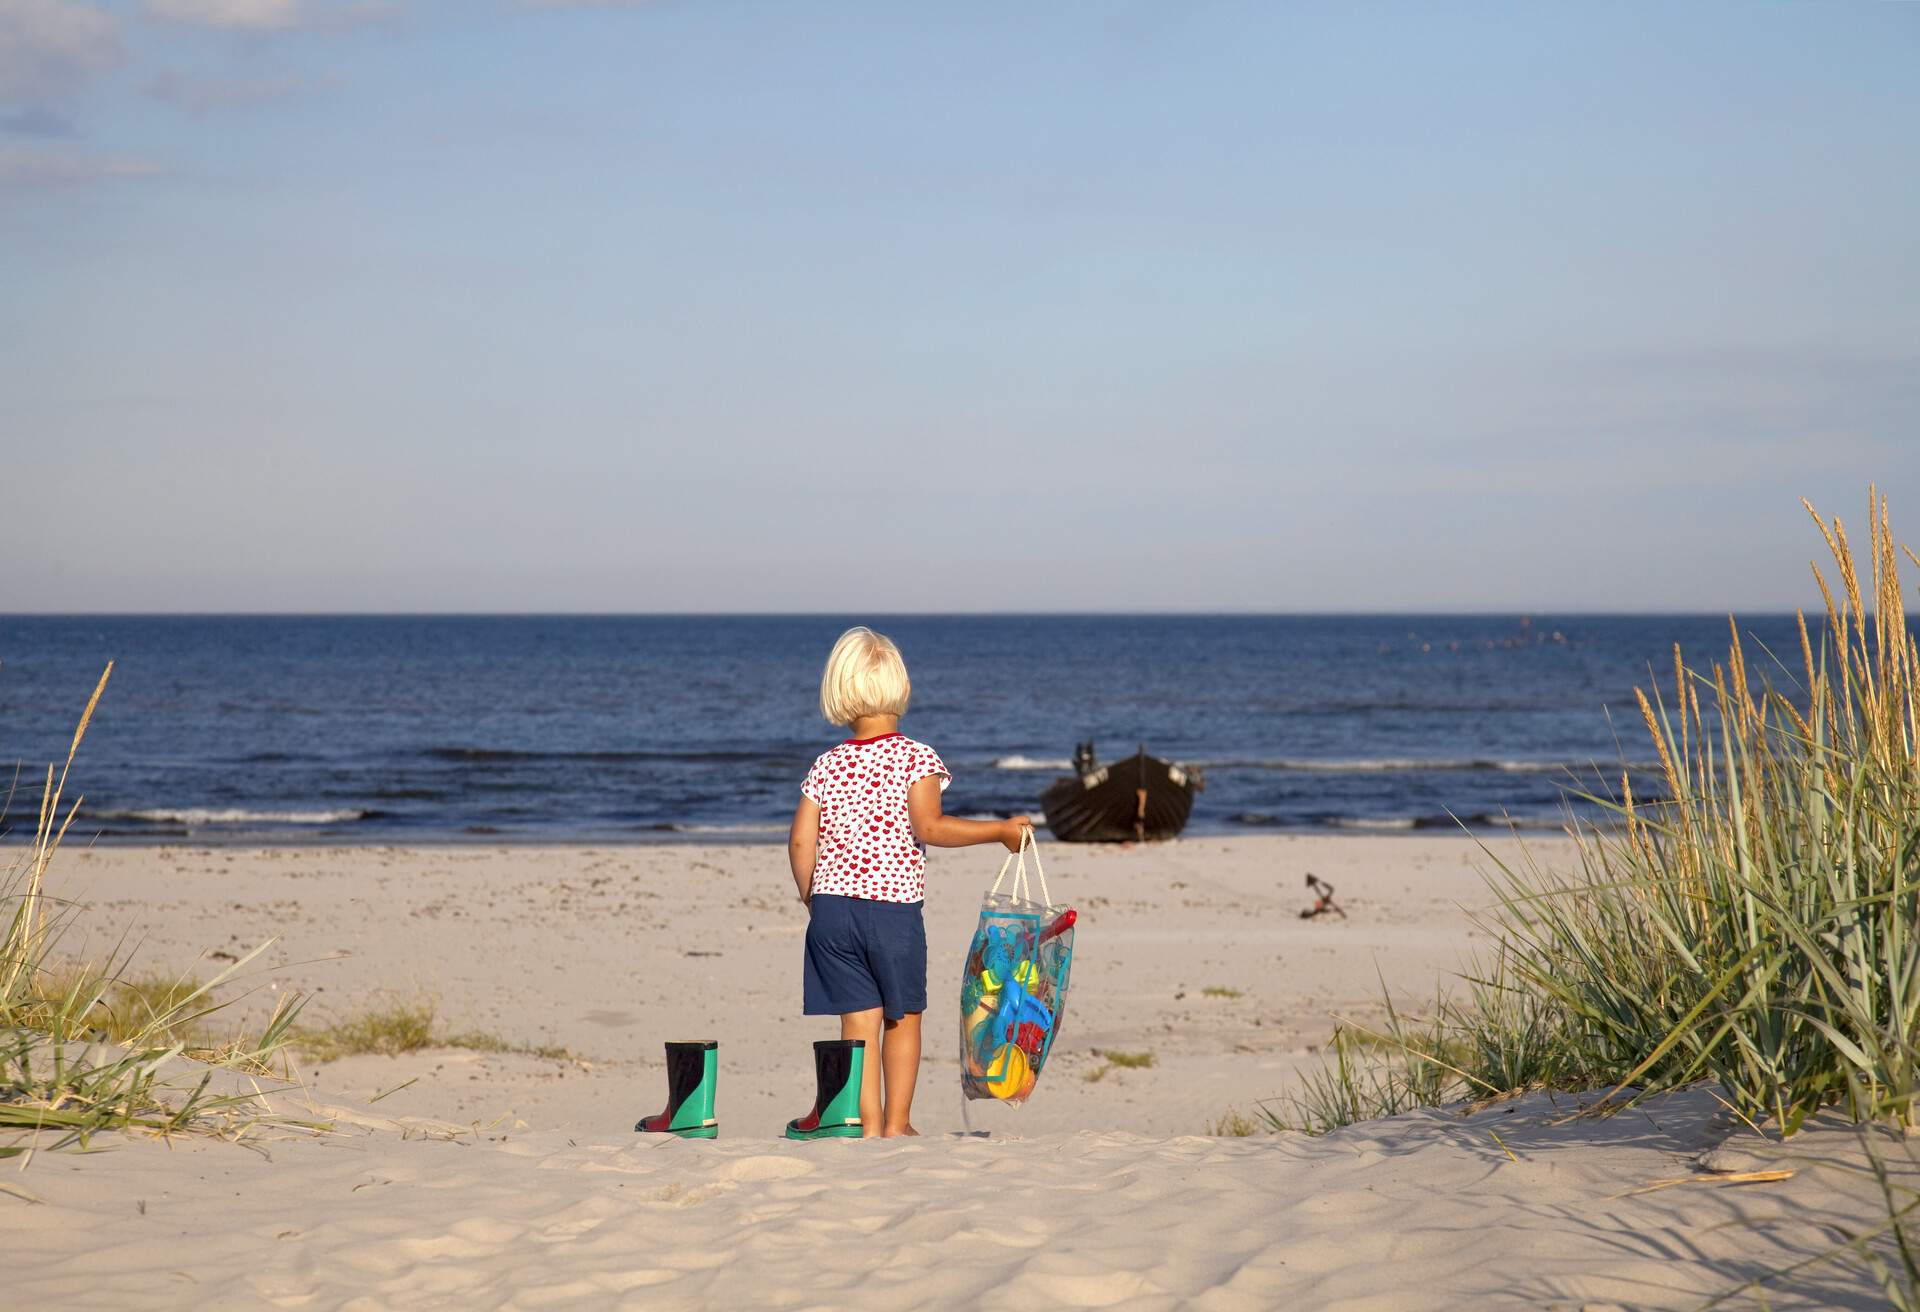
(372, 729)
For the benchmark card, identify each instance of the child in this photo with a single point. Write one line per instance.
(868, 810)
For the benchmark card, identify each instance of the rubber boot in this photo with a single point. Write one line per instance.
(838, 1066)
(693, 1069)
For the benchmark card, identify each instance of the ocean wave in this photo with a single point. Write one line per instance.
(1400, 765)
(1357, 765)
(236, 816)
(1404, 823)
(1541, 823)
(507, 754)
(1313, 765)
(671, 827)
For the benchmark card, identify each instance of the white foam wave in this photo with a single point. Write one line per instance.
(1385, 822)
(234, 816)
(1310, 765)
(725, 829)
(1388, 765)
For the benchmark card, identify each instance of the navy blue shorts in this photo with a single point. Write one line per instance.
(863, 954)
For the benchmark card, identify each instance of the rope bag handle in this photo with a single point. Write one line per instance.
(1017, 862)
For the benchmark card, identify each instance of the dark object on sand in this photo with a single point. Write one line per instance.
(1129, 801)
(1323, 903)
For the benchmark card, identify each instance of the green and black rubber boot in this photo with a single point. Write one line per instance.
(693, 1069)
(838, 1067)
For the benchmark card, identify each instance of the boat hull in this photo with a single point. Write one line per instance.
(1133, 800)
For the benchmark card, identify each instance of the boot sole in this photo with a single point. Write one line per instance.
(697, 1132)
(828, 1132)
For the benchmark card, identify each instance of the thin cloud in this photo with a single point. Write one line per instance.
(48, 47)
(205, 95)
(22, 167)
(270, 15)
(36, 121)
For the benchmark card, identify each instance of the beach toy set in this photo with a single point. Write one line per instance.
(1013, 988)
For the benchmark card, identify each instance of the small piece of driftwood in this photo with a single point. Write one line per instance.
(1323, 903)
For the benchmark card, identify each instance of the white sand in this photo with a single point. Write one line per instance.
(1096, 1194)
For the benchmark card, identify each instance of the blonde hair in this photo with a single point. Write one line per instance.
(864, 676)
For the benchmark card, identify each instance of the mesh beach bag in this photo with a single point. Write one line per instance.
(1013, 988)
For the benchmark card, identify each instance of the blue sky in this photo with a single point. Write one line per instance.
(738, 306)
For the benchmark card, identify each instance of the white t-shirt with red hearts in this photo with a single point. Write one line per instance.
(867, 848)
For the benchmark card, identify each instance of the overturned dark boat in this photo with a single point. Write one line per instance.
(1133, 800)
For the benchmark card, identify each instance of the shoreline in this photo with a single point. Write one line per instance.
(773, 836)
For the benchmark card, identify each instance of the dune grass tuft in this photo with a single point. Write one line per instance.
(386, 1030)
(93, 1046)
(1220, 991)
(1362, 1080)
(393, 1028)
(1757, 924)
(1234, 1124)
(1112, 1061)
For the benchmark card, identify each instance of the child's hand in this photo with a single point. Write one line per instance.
(1012, 829)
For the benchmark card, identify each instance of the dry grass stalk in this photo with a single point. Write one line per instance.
(85, 1049)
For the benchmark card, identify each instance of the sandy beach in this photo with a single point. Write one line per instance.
(607, 952)
(510, 1179)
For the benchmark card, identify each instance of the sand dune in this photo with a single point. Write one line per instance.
(1422, 1211)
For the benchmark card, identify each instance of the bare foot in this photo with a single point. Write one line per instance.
(908, 1133)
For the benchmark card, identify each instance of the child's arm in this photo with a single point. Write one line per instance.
(803, 846)
(938, 830)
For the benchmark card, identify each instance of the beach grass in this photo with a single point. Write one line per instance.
(1220, 991)
(395, 1027)
(1756, 924)
(386, 1030)
(1234, 1124)
(1363, 1079)
(1111, 1061)
(92, 1046)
